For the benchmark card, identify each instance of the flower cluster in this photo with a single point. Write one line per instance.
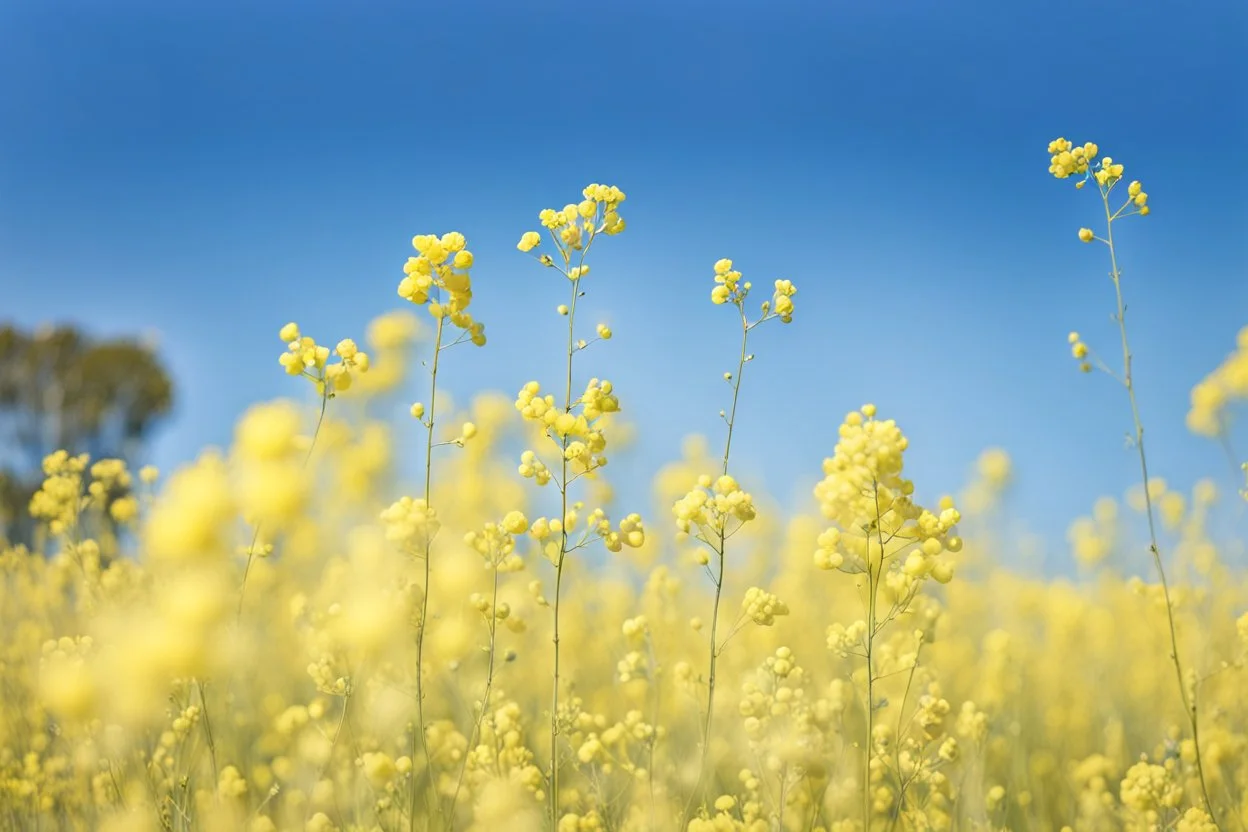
(59, 498)
(869, 501)
(1216, 392)
(574, 227)
(712, 505)
(1067, 160)
(411, 523)
(1079, 351)
(440, 277)
(1149, 787)
(270, 450)
(730, 289)
(60, 501)
(496, 542)
(305, 357)
(579, 434)
(762, 607)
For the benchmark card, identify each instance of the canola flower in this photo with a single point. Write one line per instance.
(439, 278)
(1213, 399)
(879, 532)
(890, 696)
(1067, 160)
(718, 508)
(575, 428)
(275, 490)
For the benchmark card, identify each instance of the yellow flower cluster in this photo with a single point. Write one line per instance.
(711, 506)
(496, 542)
(762, 607)
(66, 681)
(1216, 392)
(443, 265)
(60, 500)
(1196, 820)
(574, 227)
(1067, 160)
(190, 521)
(631, 531)
(411, 523)
(994, 473)
(1148, 787)
(270, 450)
(579, 434)
(730, 289)
(1079, 351)
(305, 357)
(1092, 539)
(870, 504)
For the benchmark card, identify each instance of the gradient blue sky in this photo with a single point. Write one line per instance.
(211, 171)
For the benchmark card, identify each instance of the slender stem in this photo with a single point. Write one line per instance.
(873, 577)
(719, 574)
(903, 783)
(342, 720)
(736, 388)
(656, 692)
(424, 600)
(255, 537)
(559, 563)
(784, 798)
(719, 578)
(485, 699)
(714, 662)
(212, 745)
(1189, 704)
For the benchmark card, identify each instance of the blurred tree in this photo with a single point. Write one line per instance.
(61, 389)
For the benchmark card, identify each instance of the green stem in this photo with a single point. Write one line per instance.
(1189, 705)
(873, 578)
(719, 575)
(424, 600)
(485, 699)
(255, 537)
(559, 563)
(212, 745)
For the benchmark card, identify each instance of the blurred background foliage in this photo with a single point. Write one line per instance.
(62, 388)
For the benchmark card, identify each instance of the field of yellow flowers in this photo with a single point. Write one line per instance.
(275, 637)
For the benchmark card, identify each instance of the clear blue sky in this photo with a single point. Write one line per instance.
(211, 171)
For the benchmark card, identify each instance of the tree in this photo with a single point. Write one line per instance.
(61, 389)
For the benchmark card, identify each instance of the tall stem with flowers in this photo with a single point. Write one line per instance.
(306, 358)
(715, 510)
(574, 427)
(1068, 161)
(439, 279)
(891, 545)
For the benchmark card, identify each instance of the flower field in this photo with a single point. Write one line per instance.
(286, 635)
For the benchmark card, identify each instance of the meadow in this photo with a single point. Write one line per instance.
(282, 636)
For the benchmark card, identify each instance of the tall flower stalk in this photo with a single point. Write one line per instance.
(439, 279)
(1067, 161)
(306, 358)
(496, 544)
(717, 509)
(574, 427)
(878, 531)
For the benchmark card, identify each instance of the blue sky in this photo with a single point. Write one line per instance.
(210, 171)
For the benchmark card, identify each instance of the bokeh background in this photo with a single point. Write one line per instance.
(200, 174)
